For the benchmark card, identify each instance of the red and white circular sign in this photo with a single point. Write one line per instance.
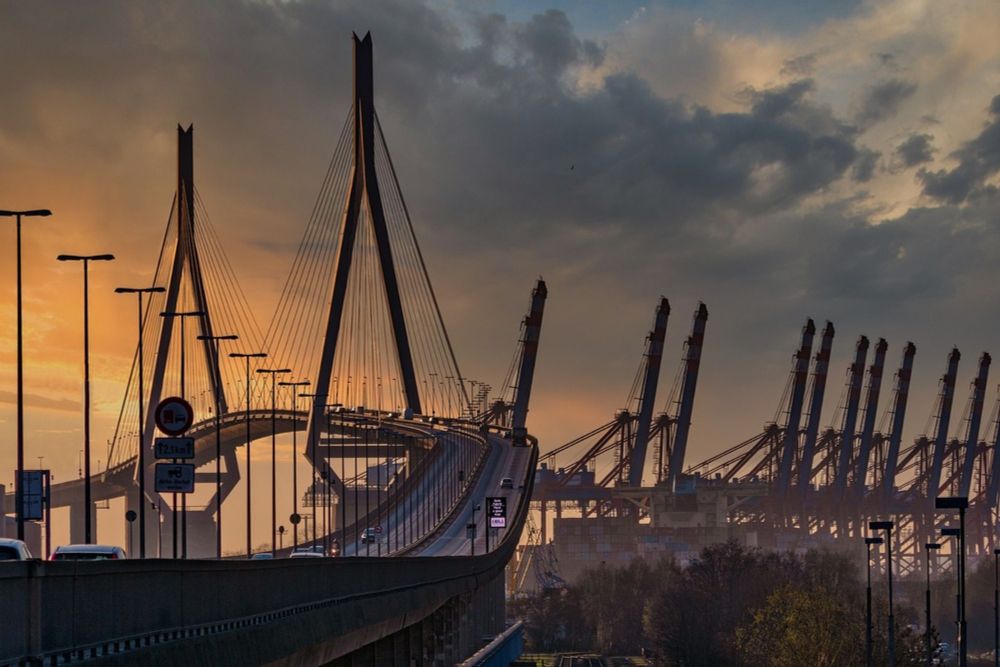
(174, 415)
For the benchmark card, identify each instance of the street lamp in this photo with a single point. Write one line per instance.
(273, 372)
(955, 532)
(247, 356)
(869, 541)
(317, 403)
(183, 316)
(88, 535)
(996, 607)
(139, 291)
(19, 490)
(928, 548)
(295, 454)
(218, 439)
(887, 527)
(960, 503)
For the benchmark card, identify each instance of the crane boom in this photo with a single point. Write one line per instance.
(526, 373)
(944, 418)
(855, 376)
(975, 418)
(898, 416)
(692, 360)
(801, 375)
(654, 356)
(820, 371)
(868, 425)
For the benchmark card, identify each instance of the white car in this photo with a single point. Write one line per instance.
(305, 554)
(88, 552)
(506, 483)
(11, 549)
(369, 536)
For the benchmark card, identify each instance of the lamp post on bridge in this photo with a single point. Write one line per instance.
(317, 404)
(869, 541)
(996, 607)
(961, 503)
(295, 457)
(139, 291)
(18, 486)
(247, 356)
(928, 548)
(183, 316)
(274, 372)
(218, 439)
(88, 535)
(887, 527)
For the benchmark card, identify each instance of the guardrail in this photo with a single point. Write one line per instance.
(58, 612)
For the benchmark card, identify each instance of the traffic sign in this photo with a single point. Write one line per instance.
(174, 448)
(295, 519)
(496, 510)
(33, 483)
(174, 478)
(130, 516)
(174, 415)
(470, 531)
(378, 529)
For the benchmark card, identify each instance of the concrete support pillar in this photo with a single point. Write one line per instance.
(77, 522)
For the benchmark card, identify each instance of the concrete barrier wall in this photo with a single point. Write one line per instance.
(52, 607)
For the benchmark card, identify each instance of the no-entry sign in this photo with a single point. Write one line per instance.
(174, 415)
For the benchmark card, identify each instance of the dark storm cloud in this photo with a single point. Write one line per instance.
(978, 160)
(882, 101)
(915, 149)
(864, 166)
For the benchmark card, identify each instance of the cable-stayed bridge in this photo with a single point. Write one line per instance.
(393, 443)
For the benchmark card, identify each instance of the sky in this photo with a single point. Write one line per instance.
(777, 160)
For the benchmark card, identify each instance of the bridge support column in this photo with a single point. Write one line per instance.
(77, 521)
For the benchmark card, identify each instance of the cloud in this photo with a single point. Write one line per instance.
(864, 167)
(915, 149)
(978, 160)
(883, 100)
(38, 401)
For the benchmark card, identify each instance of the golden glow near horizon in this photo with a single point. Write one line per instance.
(840, 170)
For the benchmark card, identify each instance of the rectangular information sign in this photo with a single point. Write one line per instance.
(496, 510)
(33, 494)
(174, 448)
(174, 478)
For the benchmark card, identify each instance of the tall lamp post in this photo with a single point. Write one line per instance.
(139, 291)
(183, 316)
(955, 532)
(218, 439)
(88, 534)
(960, 503)
(295, 456)
(928, 548)
(247, 356)
(996, 607)
(869, 542)
(274, 372)
(887, 527)
(318, 400)
(18, 486)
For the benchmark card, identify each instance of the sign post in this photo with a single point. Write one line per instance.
(174, 417)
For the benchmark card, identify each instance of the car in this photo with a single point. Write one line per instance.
(11, 549)
(306, 553)
(506, 483)
(335, 548)
(263, 555)
(88, 552)
(369, 536)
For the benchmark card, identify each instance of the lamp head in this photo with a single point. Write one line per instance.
(873, 540)
(880, 525)
(951, 532)
(932, 546)
(951, 502)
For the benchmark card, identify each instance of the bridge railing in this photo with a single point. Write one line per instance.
(95, 608)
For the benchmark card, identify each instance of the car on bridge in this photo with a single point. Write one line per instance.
(88, 552)
(506, 483)
(307, 552)
(369, 536)
(263, 555)
(11, 549)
